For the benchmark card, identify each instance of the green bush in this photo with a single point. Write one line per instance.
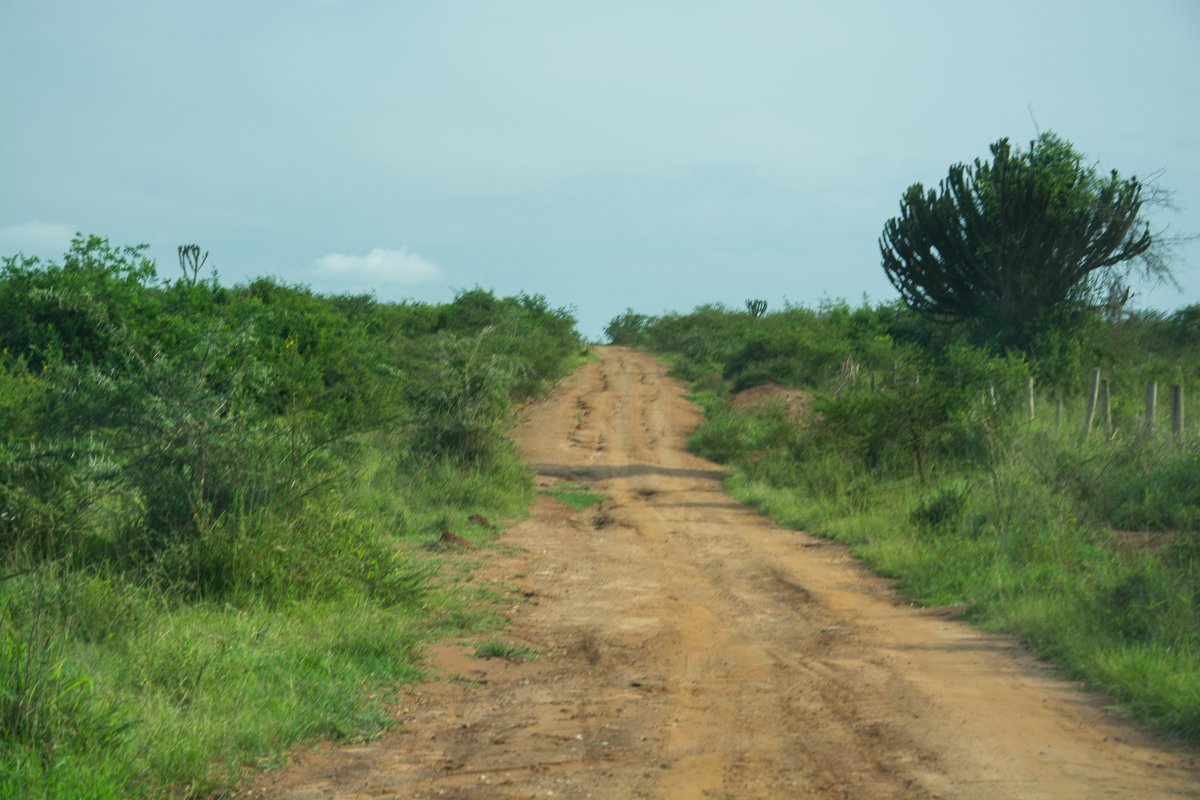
(942, 507)
(461, 411)
(46, 708)
(212, 504)
(729, 434)
(626, 329)
(919, 455)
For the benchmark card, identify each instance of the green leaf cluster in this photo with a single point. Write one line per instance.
(183, 448)
(1019, 246)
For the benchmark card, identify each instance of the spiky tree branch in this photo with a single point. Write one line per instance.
(1017, 244)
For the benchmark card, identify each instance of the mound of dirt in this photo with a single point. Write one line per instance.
(797, 401)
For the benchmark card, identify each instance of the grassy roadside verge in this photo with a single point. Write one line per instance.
(181, 696)
(913, 446)
(1030, 542)
(221, 511)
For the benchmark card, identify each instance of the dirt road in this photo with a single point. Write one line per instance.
(692, 649)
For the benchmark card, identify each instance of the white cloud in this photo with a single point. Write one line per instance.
(378, 269)
(47, 239)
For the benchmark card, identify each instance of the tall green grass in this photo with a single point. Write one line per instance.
(1047, 539)
(219, 510)
(918, 455)
(319, 629)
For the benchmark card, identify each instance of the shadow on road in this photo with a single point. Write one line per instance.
(605, 472)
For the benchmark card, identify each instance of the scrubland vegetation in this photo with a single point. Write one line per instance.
(1089, 549)
(219, 510)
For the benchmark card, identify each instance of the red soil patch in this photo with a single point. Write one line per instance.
(797, 401)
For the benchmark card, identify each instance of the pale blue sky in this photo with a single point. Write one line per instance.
(656, 155)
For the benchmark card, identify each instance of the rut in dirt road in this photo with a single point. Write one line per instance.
(692, 649)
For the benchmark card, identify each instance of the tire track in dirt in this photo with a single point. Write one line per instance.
(692, 649)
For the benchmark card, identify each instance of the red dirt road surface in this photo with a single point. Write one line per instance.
(690, 648)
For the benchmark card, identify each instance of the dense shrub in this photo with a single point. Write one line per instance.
(920, 454)
(183, 449)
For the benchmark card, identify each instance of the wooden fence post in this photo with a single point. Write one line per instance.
(1090, 414)
(1029, 396)
(1177, 411)
(1106, 409)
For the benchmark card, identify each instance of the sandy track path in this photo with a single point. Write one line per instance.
(692, 649)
